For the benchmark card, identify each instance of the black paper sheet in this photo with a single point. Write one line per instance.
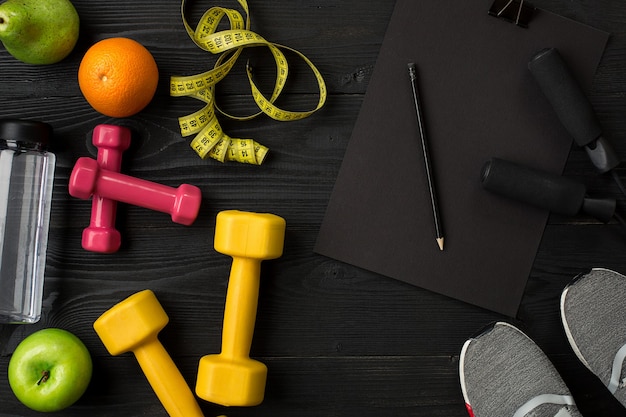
(479, 101)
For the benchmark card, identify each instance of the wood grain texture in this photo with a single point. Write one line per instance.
(338, 340)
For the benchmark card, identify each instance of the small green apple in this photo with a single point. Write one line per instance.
(49, 370)
(38, 31)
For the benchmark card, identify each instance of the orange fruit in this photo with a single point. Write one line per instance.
(118, 77)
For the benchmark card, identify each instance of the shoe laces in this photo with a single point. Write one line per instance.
(565, 400)
(616, 372)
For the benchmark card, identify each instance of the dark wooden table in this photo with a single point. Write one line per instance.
(338, 340)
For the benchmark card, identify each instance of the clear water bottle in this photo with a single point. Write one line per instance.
(26, 179)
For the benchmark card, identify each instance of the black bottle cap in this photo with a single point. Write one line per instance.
(25, 131)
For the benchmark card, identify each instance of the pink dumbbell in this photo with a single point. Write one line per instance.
(87, 179)
(101, 235)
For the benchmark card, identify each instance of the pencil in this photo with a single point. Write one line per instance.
(427, 163)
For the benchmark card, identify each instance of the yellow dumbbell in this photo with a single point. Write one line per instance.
(133, 325)
(231, 378)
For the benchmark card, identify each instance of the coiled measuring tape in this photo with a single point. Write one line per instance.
(210, 139)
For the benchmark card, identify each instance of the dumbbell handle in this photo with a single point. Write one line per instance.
(166, 380)
(135, 191)
(102, 213)
(241, 307)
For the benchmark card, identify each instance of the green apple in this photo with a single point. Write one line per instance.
(49, 370)
(38, 31)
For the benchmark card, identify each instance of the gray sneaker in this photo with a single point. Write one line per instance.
(594, 318)
(504, 373)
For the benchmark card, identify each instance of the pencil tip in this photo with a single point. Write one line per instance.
(440, 243)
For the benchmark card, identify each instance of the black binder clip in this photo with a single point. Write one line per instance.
(513, 11)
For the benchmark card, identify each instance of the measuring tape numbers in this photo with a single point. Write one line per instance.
(210, 139)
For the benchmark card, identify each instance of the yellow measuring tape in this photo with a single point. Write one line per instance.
(210, 139)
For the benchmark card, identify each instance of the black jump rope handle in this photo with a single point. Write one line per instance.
(544, 190)
(572, 107)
